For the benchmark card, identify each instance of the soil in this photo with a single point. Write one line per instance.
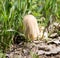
(35, 49)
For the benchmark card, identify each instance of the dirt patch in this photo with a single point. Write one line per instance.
(37, 49)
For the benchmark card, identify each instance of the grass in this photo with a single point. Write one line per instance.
(34, 55)
(12, 12)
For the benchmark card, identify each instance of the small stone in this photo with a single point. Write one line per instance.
(41, 52)
(57, 42)
(53, 35)
(25, 51)
(59, 38)
(36, 42)
(11, 55)
(56, 24)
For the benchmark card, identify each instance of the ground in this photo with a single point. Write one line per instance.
(49, 48)
(36, 49)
